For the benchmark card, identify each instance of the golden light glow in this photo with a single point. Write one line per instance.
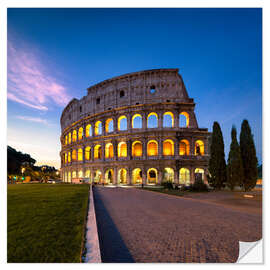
(168, 148)
(109, 150)
(137, 176)
(66, 158)
(109, 125)
(74, 135)
(201, 171)
(152, 176)
(152, 148)
(152, 117)
(184, 176)
(97, 176)
(80, 174)
(74, 174)
(122, 149)
(69, 176)
(97, 152)
(88, 130)
(74, 155)
(87, 174)
(122, 122)
(80, 154)
(199, 148)
(109, 176)
(87, 153)
(98, 128)
(122, 176)
(184, 147)
(168, 174)
(66, 139)
(80, 133)
(69, 157)
(184, 117)
(138, 117)
(168, 119)
(137, 149)
(69, 137)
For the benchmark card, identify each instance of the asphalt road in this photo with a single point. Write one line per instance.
(144, 226)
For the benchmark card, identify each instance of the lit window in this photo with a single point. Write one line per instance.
(109, 125)
(168, 119)
(184, 148)
(122, 149)
(87, 153)
(98, 128)
(152, 148)
(168, 148)
(88, 130)
(183, 119)
(80, 134)
(74, 135)
(97, 152)
(136, 121)
(136, 149)
(152, 120)
(109, 150)
(122, 123)
(184, 176)
(199, 148)
(80, 154)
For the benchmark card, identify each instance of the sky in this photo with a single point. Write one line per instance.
(55, 54)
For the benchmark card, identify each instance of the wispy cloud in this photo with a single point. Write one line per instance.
(33, 119)
(30, 83)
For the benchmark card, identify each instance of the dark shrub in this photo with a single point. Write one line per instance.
(167, 185)
(198, 186)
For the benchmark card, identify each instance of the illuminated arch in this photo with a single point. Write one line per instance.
(184, 176)
(69, 177)
(80, 174)
(97, 176)
(109, 150)
(199, 174)
(168, 119)
(66, 157)
(66, 139)
(122, 122)
(184, 148)
(136, 121)
(80, 154)
(199, 148)
(183, 119)
(80, 133)
(122, 149)
(137, 149)
(88, 175)
(87, 153)
(109, 176)
(74, 174)
(152, 148)
(122, 176)
(137, 176)
(152, 120)
(74, 135)
(97, 152)
(69, 157)
(152, 176)
(168, 147)
(69, 137)
(88, 130)
(74, 155)
(168, 175)
(98, 128)
(109, 125)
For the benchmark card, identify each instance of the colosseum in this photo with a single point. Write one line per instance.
(138, 128)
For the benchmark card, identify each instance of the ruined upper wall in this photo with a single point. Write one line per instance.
(126, 90)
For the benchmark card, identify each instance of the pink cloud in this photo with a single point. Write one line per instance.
(29, 83)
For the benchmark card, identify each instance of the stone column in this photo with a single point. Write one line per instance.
(160, 173)
(115, 152)
(144, 121)
(144, 146)
(129, 126)
(129, 149)
(103, 127)
(115, 176)
(192, 175)
(176, 148)
(83, 154)
(103, 151)
(92, 152)
(129, 176)
(144, 176)
(160, 148)
(176, 176)
(176, 120)
(160, 120)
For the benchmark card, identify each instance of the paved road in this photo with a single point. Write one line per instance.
(144, 226)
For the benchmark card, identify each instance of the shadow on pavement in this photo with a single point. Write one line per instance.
(112, 246)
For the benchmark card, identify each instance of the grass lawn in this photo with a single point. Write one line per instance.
(166, 191)
(46, 222)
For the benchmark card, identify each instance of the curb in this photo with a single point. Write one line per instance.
(92, 254)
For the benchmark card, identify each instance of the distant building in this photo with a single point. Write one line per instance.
(132, 129)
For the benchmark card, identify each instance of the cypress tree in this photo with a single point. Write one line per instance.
(249, 158)
(235, 173)
(217, 164)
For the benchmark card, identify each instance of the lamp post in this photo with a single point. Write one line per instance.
(23, 169)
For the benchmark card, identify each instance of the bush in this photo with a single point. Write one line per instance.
(198, 186)
(167, 185)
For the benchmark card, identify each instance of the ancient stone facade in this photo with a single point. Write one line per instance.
(132, 129)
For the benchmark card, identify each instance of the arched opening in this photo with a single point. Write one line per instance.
(98, 128)
(184, 176)
(122, 176)
(109, 150)
(152, 176)
(69, 177)
(152, 120)
(184, 148)
(74, 135)
(97, 176)
(183, 119)
(80, 154)
(137, 149)
(168, 175)
(168, 119)
(88, 130)
(66, 139)
(122, 122)
(199, 174)
(87, 153)
(168, 148)
(66, 158)
(199, 148)
(109, 125)
(74, 155)
(137, 176)
(137, 121)
(109, 176)
(122, 93)
(97, 152)
(80, 133)
(80, 174)
(122, 149)
(152, 148)
(69, 137)
(69, 157)
(74, 174)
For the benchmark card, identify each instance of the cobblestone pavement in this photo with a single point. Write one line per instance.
(145, 226)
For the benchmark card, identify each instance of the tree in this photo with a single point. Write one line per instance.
(235, 173)
(217, 164)
(249, 158)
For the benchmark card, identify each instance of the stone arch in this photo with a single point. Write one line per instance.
(69, 157)
(152, 176)
(97, 176)
(168, 174)
(109, 150)
(74, 174)
(80, 133)
(122, 122)
(88, 130)
(137, 176)
(69, 177)
(122, 176)
(136, 121)
(199, 174)
(74, 135)
(87, 153)
(183, 119)
(184, 147)
(152, 148)
(97, 152)
(152, 120)
(168, 147)
(168, 119)
(80, 174)
(74, 155)
(98, 128)
(80, 154)
(199, 148)
(69, 137)
(109, 125)
(122, 149)
(109, 174)
(137, 149)
(184, 176)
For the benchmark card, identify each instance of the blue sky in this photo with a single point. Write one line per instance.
(55, 54)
